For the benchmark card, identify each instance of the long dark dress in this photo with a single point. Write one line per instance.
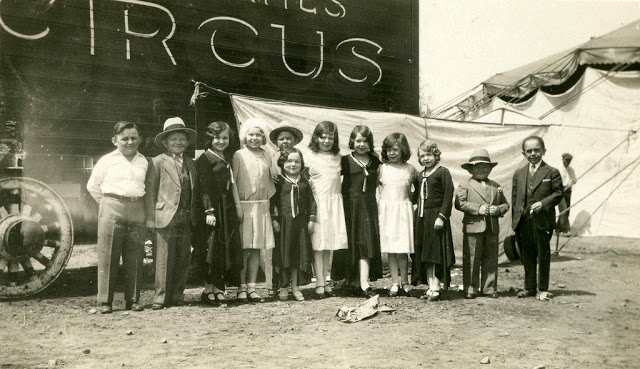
(293, 249)
(361, 214)
(433, 246)
(224, 250)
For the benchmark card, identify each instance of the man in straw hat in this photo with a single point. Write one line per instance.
(482, 201)
(537, 189)
(170, 210)
(284, 137)
(117, 184)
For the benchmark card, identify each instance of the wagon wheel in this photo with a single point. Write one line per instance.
(36, 237)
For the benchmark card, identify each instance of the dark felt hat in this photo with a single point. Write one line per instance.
(297, 134)
(511, 248)
(479, 156)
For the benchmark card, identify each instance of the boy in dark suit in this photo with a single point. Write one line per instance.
(482, 201)
(169, 206)
(537, 189)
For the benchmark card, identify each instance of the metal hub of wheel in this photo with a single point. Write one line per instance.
(36, 237)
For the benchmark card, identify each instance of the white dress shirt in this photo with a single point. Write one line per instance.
(568, 175)
(114, 174)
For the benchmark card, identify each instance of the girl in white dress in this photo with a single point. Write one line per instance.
(251, 170)
(396, 210)
(330, 230)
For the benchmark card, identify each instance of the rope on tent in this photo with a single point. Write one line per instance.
(602, 203)
(436, 111)
(617, 68)
(597, 188)
(631, 134)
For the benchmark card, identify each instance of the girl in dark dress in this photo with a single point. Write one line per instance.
(433, 241)
(361, 262)
(294, 218)
(219, 198)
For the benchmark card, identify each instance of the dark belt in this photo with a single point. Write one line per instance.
(122, 198)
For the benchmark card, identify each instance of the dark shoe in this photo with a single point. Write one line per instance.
(133, 306)
(254, 297)
(470, 296)
(526, 293)
(369, 292)
(272, 294)
(157, 306)
(204, 297)
(241, 297)
(179, 303)
(329, 292)
(106, 309)
(319, 292)
(492, 295)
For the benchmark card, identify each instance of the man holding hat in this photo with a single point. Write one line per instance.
(483, 202)
(568, 180)
(170, 210)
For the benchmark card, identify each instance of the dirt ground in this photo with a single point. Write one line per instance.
(593, 322)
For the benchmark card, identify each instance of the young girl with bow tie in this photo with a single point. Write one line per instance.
(434, 244)
(295, 221)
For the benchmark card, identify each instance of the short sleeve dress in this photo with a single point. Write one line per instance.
(395, 208)
(255, 188)
(359, 184)
(324, 172)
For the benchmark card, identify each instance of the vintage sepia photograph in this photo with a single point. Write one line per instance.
(319, 184)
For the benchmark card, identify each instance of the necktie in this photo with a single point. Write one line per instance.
(178, 159)
(364, 169)
(532, 170)
(295, 194)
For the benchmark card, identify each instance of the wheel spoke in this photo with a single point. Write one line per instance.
(3, 212)
(52, 243)
(14, 209)
(28, 267)
(36, 217)
(3, 265)
(26, 209)
(13, 267)
(42, 259)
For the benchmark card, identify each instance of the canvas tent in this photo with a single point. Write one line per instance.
(589, 96)
(596, 113)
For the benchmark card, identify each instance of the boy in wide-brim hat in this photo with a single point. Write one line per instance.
(482, 201)
(170, 205)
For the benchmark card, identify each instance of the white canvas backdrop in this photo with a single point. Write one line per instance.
(455, 139)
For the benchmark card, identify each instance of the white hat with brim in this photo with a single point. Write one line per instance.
(175, 124)
(479, 156)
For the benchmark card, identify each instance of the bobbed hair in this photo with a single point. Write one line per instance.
(322, 128)
(430, 147)
(365, 132)
(396, 139)
(214, 129)
(284, 156)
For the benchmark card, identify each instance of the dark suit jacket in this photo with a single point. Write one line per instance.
(163, 188)
(547, 188)
(470, 196)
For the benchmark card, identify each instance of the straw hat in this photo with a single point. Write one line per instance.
(171, 125)
(479, 156)
(297, 134)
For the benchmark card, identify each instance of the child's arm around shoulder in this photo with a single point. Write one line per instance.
(461, 201)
